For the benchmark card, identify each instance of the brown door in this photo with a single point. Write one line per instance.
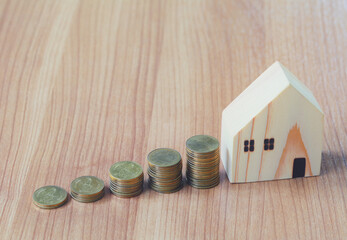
(299, 167)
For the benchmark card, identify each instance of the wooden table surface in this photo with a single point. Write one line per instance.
(85, 84)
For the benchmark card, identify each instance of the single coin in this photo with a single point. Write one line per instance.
(125, 170)
(49, 197)
(202, 144)
(164, 157)
(87, 185)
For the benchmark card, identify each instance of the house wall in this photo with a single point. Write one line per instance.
(289, 112)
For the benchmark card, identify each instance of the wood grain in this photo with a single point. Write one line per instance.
(87, 83)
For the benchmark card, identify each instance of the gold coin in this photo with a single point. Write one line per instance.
(202, 144)
(49, 197)
(87, 185)
(125, 171)
(164, 157)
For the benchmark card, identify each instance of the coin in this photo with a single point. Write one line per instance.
(201, 144)
(165, 170)
(49, 197)
(87, 189)
(203, 161)
(87, 185)
(164, 157)
(125, 170)
(126, 179)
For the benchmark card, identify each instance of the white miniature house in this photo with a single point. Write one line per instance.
(272, 130)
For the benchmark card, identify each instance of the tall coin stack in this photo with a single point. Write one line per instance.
(126, 179)
(165, 170)
(202, 161)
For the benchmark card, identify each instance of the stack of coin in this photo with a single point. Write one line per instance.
(126, 179)
(87, 189)
(49, 197)
(165, 170)
(202, 161)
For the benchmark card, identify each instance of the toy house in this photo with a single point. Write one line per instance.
(272, 130)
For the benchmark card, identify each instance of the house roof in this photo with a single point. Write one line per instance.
(261, 92)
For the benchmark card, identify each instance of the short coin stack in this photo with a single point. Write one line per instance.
(165, 170)
(202, 161)
(87, 189)
(126, 179)
(49, 197)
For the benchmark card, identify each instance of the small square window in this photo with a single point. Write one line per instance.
(249, 145)
(269, 144)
